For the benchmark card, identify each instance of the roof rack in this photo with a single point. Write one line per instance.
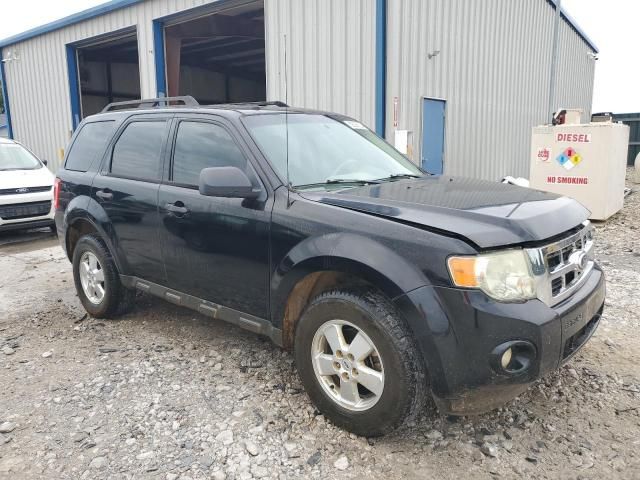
(186, 100)
(275, 103)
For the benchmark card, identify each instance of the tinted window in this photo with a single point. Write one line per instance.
(202, 145)
(136, 154)
(89, 144)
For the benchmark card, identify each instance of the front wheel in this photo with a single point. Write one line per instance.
(358, 362)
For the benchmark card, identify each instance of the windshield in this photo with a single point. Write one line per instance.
(322, 149)
(16, 157)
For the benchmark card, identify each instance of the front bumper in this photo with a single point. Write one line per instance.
(27, 224)
(459, 329)
(42, 219)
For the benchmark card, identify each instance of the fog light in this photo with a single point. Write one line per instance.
(505, 360)
(512, 358)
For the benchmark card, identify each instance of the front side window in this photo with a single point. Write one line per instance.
(321, 149)
(136, 154)
(89, 143)
(201, 145)
(15, 157)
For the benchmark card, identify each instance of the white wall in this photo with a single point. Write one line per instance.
(493, 72)
(330, 49)
(38, 84)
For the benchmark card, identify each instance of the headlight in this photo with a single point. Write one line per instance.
(505, 276)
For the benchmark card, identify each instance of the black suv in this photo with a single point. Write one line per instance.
(389, 284)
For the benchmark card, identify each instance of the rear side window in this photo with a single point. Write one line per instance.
(89, 144)
(136, 154)
(200, 145)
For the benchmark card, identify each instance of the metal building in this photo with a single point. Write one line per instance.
(457, 84)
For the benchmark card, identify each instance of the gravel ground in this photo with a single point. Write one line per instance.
(164, 393)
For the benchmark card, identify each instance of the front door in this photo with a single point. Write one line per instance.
(433, 135)
(214, 248)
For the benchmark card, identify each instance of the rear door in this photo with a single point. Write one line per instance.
(215, 248)
(127, 190)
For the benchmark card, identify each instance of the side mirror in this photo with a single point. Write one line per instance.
(230, 182)
(44, 162)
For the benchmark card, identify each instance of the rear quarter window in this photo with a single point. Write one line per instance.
(89, 145)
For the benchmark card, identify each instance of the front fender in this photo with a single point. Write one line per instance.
(343, 252)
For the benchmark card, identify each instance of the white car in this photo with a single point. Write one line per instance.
(26, 189)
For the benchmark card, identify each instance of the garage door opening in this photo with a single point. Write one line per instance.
(108, 71)
(218, 57)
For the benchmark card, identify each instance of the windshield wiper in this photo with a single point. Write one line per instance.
(338, 181)
(397, 176)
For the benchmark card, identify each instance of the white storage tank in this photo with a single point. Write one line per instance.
(586, 162)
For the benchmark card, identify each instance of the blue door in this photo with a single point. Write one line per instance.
(433, 135)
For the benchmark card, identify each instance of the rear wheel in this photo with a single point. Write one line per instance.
(358, 362)
(97, 280)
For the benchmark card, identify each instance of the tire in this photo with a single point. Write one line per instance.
(401, 394)
(115, 299)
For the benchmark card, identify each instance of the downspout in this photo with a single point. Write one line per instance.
(5, 95)
(381, 66)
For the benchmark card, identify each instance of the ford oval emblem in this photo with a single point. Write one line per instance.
(22, 190)
(579, 259)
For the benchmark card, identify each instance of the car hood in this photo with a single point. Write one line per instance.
(488, 214)
(39, 177)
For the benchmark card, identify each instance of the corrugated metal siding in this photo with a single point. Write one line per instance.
(576, 70)
(330, 47)
(493, 71)
(38, 84)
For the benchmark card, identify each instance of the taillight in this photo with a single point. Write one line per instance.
(56, 194)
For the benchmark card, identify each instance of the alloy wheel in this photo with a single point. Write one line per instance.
(347, 365)
(92, 277)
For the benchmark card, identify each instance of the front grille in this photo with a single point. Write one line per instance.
(564, 258)
(562, 266)
(23, 190)
(24, 210)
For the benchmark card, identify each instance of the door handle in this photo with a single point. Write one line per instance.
(105, 194)
(178, 208)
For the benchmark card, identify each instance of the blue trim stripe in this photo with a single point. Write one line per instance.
(70, 20)
(74, 87)
(5, 96)
(381, 66)
(158, 54)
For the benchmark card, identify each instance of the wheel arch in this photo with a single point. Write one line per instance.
(323, 263)
(90, 218)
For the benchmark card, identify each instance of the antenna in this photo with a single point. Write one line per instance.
(286, 119)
